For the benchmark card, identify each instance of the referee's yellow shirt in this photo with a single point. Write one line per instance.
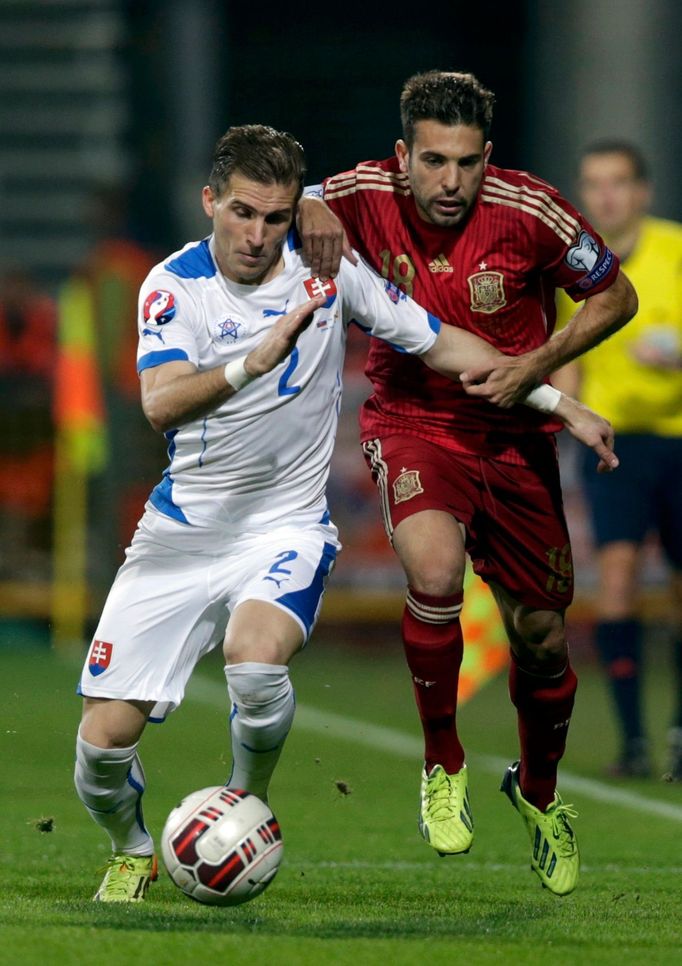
(635, 397)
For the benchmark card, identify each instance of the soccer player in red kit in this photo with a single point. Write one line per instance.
(483, 248)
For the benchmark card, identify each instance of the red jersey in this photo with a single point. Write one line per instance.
(495, 276)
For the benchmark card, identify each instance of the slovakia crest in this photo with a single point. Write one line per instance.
(159, 307)
(100, 657)
(487, 292)
(316, 287)
(229, 330)
(394, 293)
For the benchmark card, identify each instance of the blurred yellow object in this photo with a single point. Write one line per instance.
(486, 648)
(81, 450)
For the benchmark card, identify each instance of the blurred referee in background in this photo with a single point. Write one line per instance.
(635, 380)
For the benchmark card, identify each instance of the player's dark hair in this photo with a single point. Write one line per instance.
(446, 97)
(261, 154)
(640, 166)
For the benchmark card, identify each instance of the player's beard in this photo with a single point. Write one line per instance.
(431, 212)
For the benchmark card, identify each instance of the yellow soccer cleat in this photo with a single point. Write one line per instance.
(554, 857)
(445, 818)
(127, 878)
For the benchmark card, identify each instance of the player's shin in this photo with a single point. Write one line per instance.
(432, 638)
(263, 707)
(110, 782)
(544, 705)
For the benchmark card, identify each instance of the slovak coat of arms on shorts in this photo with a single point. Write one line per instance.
(407, 485)
(487, 291)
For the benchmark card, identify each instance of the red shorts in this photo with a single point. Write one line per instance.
(516, 532)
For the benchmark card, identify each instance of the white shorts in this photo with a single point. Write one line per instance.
(171, 600)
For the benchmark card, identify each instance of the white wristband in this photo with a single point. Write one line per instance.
(544, 398)
(236, 375)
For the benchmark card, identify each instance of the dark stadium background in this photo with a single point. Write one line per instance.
(108, 114)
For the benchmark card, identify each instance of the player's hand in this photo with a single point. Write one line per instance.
(324, 240)
(281, 338)
(503, 382)
(591, 429)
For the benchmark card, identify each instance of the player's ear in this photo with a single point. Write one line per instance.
(487, 151)
(207, 200)
(402, 153)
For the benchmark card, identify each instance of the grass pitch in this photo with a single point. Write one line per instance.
(357, 884)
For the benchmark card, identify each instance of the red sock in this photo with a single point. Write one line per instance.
(544, 706)
(432, 637)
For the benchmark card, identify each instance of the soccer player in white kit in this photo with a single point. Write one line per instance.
(240, 360)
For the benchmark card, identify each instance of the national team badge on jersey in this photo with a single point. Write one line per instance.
(487, 291)
(394, 293)
(100, 657)
(159, 307)
(316, 287)
(407, 485)
(229, 330)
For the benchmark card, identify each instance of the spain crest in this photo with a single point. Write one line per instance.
(487, 291)
(407, 485)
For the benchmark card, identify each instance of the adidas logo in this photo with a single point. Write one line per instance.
(440, 264)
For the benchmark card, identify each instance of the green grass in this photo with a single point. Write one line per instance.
(357, 884)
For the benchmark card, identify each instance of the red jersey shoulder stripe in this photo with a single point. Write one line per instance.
(507, 202)
(540, 197)
(532, 202)
(366, 177)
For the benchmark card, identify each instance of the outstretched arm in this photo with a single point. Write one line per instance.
(176, 392)
(508, 380)
(456, 349)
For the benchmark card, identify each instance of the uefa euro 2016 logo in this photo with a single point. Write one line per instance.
(159, 307)
(229, 329)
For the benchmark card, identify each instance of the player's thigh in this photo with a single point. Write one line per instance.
(286, 569)
(519, 539)
(159, 618)
(430, 547)
(427, 496)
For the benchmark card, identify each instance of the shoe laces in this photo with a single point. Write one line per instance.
(439, 801)
(561, 828)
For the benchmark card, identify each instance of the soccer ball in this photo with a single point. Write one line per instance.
(222, 846)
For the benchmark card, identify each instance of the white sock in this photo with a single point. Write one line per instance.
(262, 712)
(110, 783)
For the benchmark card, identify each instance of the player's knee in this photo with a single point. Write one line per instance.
(542, 634)
(106, 732)
(259, 648)
(262, 693)
(436, 576)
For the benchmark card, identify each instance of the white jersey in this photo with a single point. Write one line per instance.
(262, 456)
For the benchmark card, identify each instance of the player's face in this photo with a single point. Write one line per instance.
(250, 223)
(611, 196)
(445, 164)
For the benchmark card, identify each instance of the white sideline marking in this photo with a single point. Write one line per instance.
(395, 742)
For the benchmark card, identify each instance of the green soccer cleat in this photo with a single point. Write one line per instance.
(555, 857)
(445, 818)
(127, 878)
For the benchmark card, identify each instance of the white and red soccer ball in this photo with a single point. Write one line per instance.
(222, 846)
